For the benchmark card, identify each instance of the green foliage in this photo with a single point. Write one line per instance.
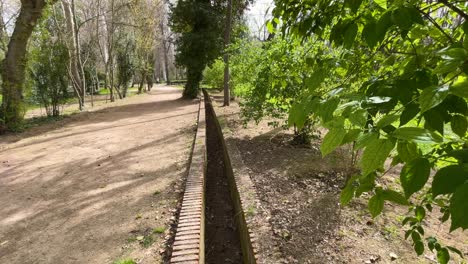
(199, 42)
(159, 230)
(125, 66)
(124, 261)
(48, 63)
(390, 76)
(270, 77)
(213, 75)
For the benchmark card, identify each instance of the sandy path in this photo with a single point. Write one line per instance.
(79, 192)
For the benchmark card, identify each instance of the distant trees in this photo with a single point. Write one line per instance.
(198, 23)
(203, 33)
(109, 42)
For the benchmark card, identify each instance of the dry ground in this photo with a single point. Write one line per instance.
(92, 188)
(300, 192)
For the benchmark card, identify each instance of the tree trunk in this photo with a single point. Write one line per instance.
(142, 82)
(78, 53)
(75, 75)
(227, 40)
(166, 61)
(14, 64)
(3, 35)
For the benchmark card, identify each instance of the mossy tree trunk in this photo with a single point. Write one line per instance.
(14, 64)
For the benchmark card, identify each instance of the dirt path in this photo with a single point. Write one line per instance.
(88, 189)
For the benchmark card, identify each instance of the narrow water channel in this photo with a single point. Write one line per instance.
(222, 243)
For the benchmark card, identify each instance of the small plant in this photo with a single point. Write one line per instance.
(138, 216)
(125, 261)
(156, 192)
(159, 230)
(250, 211)
(146, 241)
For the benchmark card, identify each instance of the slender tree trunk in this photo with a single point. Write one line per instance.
(14, 64)
(78, 53)
(227, 40)
(166, 62)
(3, 35)
(75, 75)
(142, 82)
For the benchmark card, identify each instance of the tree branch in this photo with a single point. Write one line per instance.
(455, 8)
(426, 15)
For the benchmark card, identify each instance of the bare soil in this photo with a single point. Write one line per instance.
(92, 188)
(300, 192)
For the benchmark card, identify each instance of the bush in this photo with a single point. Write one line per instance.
(48, 73)
(213, 75)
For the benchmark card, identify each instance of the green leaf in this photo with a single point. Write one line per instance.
(455, 251)
(351, 136)
(459, 154)
(358, 118)
(409, 113)
(414, 175)
(402, 18)
(460, 87)
(387, 120)
(419, 247)
(376, 204)
(353, 4)
(454, 54)
(420, 213)
(332, 140)
(314, 81)
(434, 120)
(328, 108)
(270, 27)
(431, 97)
(448, 179)
(417, 134)
(369, 33)
(459, 208)
(459, 125)
(381, 3)
(446, 66)
(375, 154)
(347, 194)
(443, 256)
(350, 35)
(384, 23)
(407, 151)
(297, 115)
(366, 183)
(393, 196)
(416, 17)
(366, 139)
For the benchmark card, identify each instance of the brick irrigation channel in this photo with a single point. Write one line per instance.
(212, 226)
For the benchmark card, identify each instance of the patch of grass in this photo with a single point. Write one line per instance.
(147, 241)
(125, 261)
(250, 211)
(159, 230)
(138, 216)
(156, 192)
(131, 240)
(391, 230)
(103, 91)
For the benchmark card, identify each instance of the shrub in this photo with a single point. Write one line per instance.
(213, 75)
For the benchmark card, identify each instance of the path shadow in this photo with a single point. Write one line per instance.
(108, 121)
(80, 210)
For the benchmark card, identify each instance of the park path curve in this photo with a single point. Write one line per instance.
(77, 193)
